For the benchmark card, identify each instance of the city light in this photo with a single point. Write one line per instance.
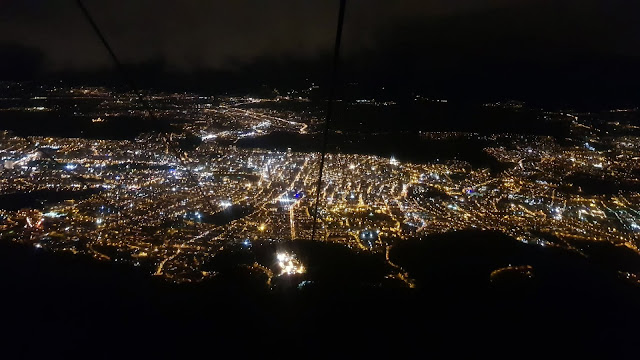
(289, 264)
(146, 199)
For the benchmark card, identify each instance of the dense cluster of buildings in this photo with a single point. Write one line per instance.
(139, 202)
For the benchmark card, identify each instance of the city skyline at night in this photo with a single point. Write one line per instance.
(146, 207)
(365, 178)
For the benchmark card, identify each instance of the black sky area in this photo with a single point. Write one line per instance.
(564, 52)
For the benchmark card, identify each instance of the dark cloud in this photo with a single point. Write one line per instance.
(561, 49)
(437, 44)
(217, 34)
(20, 62)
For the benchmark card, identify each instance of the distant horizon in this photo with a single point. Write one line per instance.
(351, 91)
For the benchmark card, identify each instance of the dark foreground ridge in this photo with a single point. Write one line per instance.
(58, 306)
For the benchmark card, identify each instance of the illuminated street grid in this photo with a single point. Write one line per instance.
(150, 213)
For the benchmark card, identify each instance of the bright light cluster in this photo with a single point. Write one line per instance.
(289, 264)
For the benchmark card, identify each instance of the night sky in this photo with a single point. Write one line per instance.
(563, 50)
